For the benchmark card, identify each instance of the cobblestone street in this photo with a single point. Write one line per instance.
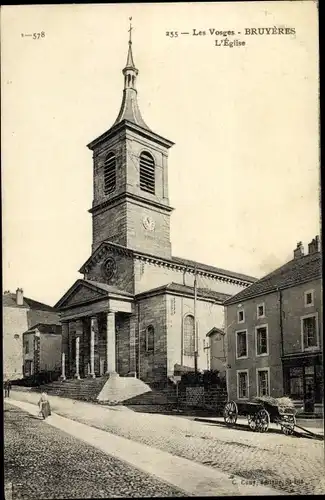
(42, 462)
(293, 465)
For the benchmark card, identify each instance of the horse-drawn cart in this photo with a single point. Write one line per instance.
(261, 411)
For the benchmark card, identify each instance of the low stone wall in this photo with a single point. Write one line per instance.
(213, 398)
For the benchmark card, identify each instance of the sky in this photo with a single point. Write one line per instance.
(244, 170)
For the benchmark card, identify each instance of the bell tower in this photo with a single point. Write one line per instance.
(130, 172)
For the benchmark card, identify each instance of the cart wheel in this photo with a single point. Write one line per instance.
(262, 420)
(251, 422)
(230, 413)
(289, 427)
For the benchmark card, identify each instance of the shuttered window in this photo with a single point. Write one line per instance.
(110, 173)
(147, 173)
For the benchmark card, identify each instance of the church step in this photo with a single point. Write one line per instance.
(83, 389)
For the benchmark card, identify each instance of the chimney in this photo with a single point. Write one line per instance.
(19, 297)
(313, 246)
(299, 251)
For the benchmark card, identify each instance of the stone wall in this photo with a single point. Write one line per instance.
(152, 365)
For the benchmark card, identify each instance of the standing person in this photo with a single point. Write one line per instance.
(8, 387)
(44, 405)
(5, 383)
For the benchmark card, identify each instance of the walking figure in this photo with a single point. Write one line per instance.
(44, 406)
(7, 387)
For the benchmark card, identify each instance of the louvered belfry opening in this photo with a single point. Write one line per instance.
(110, 173)
(147, 173)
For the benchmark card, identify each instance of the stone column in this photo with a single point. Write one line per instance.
(79, 332)
(71, 340)
(64, 348)
(110, 344)
(77, 375)
(63, 377)
(93, 329)
(132, 347)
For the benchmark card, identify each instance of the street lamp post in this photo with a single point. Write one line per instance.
(195, 325)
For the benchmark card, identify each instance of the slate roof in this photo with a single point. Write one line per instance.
(215, 330)
(184, 289)
(294, 272)
(107, 288)
(9, 300)
(44, 328)
(212, 269)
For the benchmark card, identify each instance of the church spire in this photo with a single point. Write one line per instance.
(130, 62)
(129, 108)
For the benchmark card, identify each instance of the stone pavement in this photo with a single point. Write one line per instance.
(194, 479)
(294, 465)
(56, 465)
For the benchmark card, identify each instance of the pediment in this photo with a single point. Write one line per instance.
(105, 249)
(216, 333)
(80, 293)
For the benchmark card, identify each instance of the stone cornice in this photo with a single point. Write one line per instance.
(129, 197)
(164, 290)
(158, 261)
(101, 251)
(123, 125)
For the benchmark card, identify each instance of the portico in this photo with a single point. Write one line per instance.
(93, 317)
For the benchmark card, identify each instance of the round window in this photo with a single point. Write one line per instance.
(109, 267)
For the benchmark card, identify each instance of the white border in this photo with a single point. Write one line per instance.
(312, 348)
(260, 305)
(237, 380)
(236, 333)
(312, 297)
(266, 369)
(267, 340)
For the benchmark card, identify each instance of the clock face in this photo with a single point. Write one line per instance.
(148, 223)
(109, 267)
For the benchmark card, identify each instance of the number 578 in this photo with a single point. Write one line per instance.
(36, 36)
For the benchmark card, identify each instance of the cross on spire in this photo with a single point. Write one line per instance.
(130, 30)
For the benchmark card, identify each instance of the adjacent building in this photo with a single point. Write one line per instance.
(42, 349)
(274, 332)
(132, 312)
(19, 314)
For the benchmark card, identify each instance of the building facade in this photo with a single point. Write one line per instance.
(133, 311)
(19, 314)
(274, 333)
(42, 349)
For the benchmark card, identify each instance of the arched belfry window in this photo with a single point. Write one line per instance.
(189, 336)
(150, 338)
(147, 173)
(110, 173)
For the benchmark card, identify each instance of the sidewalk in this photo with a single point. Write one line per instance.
(193, 478)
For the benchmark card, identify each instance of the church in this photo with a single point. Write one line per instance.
(138, 311)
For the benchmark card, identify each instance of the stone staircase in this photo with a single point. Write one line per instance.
(84, 389)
